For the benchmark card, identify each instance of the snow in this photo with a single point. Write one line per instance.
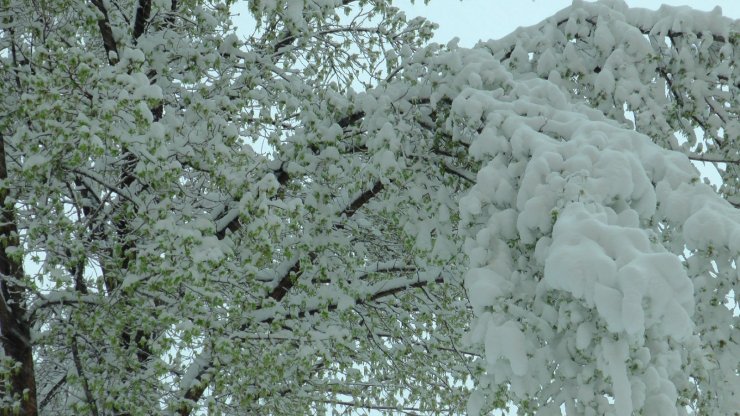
(424, 239)
(546, 62)
(485, 285)
(35, 160)
(470, 206)
(597, 264)
(584, 335)
(615, 355)
(710, 226)
(577, 266)
(507, 341)
(609, 305)
(584, 206)
(475, 404)
(603, 37)
(133, 54)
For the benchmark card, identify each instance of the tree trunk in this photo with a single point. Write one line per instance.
(15, 334)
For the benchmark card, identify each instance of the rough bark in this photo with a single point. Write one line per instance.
(15, 330)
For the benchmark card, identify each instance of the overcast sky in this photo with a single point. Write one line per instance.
(473, 20)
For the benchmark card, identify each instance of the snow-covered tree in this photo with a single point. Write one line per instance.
(603, 271)
(331, 215)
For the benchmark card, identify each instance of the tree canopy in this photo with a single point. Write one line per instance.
(333, 215)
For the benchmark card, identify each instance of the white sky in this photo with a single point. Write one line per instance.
(474, 20)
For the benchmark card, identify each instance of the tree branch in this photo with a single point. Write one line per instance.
(362, 199)
(52, 392)
(287, 281)
(109, 43)
(85, 386)
(143, 10)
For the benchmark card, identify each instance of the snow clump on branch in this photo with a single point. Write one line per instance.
(585, 240)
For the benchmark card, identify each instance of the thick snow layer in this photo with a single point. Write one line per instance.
(615, 355)
(485, 285)
(507, 341)
(594, 219)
